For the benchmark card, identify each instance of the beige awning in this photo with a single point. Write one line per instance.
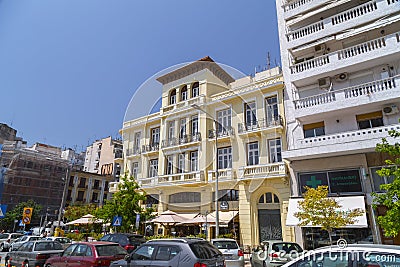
(347, 203)
(224, 217)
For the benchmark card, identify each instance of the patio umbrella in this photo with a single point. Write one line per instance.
(87, 219)
(168, 217)
(198, 219)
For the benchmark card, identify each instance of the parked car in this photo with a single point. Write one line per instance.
(33, 253)
(127, 241)
(88, 254)
(19, 241)
(6, 239)
(361, 255)
(274, 253)
(182, 252)
(65, 242)
(234, 256)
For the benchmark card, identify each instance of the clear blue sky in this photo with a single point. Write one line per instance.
(68, 68)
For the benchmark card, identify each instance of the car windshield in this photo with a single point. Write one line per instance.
(110, 250)
(204, 250)
(225, 244)
(3, 236)
(286, 247)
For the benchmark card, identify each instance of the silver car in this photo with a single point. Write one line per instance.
(234, 256)
(17, 243)
(274, 253)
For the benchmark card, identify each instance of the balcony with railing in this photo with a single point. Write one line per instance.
(223, 175)
(348, 19)
(260, 125)
(366, 93)
(135, 151)
(154, 147)
(182, 105)
(226, 131)
(272, 170)
(335, 62)
(296, 7)
(184, 140)
(358, 141)
(181, 178)
(148, 182)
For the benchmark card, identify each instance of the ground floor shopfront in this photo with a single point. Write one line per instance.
(350, 179)
(249, 210)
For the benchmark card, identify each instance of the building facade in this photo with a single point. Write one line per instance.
(210, 123)
(7, 133)
(341, 63)
(102, 157)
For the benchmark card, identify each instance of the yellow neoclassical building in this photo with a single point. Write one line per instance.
(211, 123)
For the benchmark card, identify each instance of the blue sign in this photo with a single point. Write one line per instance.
(137, 220)
(3, 209)
(117, 221)
(21, 223)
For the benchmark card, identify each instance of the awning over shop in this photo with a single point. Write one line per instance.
(347, 203)
(224, 217)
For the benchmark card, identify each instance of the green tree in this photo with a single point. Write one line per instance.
(390, 198)
(7, 223)
(126, 202)
(74, 212)
(317, 209)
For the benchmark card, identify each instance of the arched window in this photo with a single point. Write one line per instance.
(184, 93)
(268, 198)
(172, 97)
(195, 89)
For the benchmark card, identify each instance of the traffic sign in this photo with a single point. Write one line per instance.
(26, 216)
(117, 221)
(3, 209)
(21, 223)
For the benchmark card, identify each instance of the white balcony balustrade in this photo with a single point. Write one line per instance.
(223, 175)
(183, 105)
(179, 178)
(376, 91)
(271, 170)
(334, 62)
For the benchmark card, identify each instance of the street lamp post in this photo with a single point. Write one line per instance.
(63, 196)
(195, 106)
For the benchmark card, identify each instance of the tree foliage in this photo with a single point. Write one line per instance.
(77, 211)
(126, 202)
(317, 209)
(7, 223)
(390, 199)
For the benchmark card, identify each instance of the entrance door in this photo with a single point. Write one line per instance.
(269, 222)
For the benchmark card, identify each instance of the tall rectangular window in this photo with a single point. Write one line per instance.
(379, 180)
(250, 111)
(182, 126)
(224, 119)
(275, 150)
(135, 169)
(272, 113)
(252, 153)
(195, 89)
(225, 158)
(194, 161)
(370, 120)
(155, 136)
(181, 163)
(137, 140)
(170, 165)
(195, 125)
(314, 129)
(171, 130)
(153, 168)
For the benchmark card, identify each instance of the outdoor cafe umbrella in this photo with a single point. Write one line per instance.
(199, 219)
(84, 220)
(168, 218)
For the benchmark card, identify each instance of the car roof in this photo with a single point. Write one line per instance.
(361, 246)
(97, 243)
(178, 240)
(223, 239)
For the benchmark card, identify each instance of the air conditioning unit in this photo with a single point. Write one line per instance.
(390, 110)
(341, 77)
(324, 83)
(319, 49)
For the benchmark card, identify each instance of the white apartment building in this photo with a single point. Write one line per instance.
(341, 65)
(208, 121)
(104, 157)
